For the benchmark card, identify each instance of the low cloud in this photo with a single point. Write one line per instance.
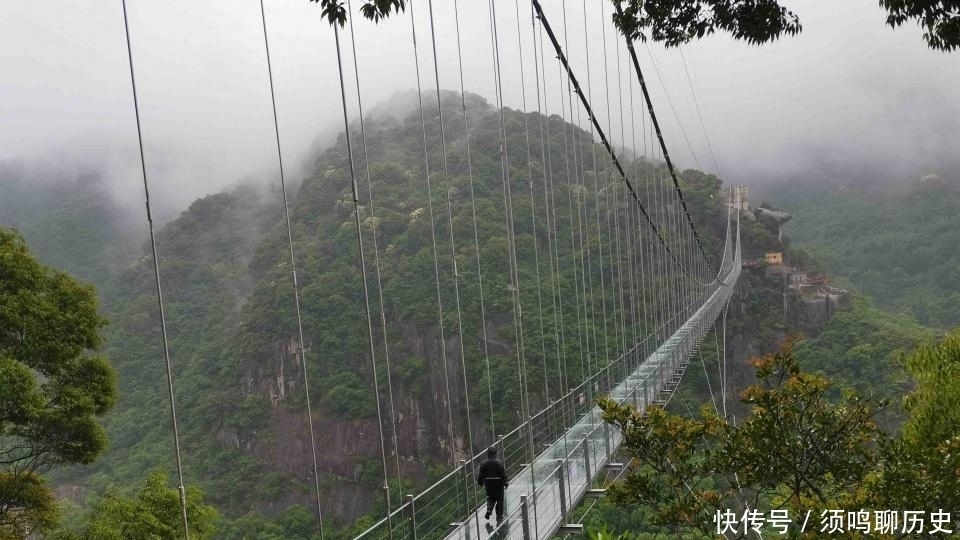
(849, 97)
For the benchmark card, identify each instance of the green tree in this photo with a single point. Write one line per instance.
(153, 515)
(940, 20)
(797, 450)
(51, 384)
(675, 22)
(919, 470)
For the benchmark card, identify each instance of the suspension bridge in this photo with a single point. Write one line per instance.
(577, 448)
(651, 262)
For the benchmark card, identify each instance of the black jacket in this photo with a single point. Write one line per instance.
(492, 476)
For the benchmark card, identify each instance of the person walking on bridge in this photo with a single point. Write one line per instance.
(493, 477)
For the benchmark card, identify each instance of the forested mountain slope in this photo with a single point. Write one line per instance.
(72, 221)
(898, 245)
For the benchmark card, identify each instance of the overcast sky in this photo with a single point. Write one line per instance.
(848, 96)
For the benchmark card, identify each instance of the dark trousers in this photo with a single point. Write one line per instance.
(495, 501)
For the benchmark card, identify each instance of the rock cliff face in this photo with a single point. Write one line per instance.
(817, 310)
(772, 303)
(285, 448)
(285, 444)
(348, 450)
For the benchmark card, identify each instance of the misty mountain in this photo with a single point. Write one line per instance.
(70, 219)
(230, 308)
(897, 244)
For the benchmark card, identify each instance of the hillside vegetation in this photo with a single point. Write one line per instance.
(899, 246)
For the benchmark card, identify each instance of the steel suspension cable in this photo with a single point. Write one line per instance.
(682, 280)
(573, 263)
(630, 269)
(676, 116)
(363, 271)
(696, 103)
(671, 285)
(690, 281)
(585, 277)
(589, 328)
(671, 215)
(293, 267)
(536, 257)
(511, 235)
(533, 211)
(700, 116)
(657, 260)
(720, 357)
(603, 138)
(635, 288)
(508, 214)
(689, 250)
(706, 377)
(453, 247)
(645, 292)
(654, 250)
(504, 171)
(663, 146)
(573, 192)
(666, 298)
(376, 255)
(618, 316)
(696, 84)
(433, 238)
(476, 231)
(636, 232)
(596, 193)
(548, 191)
(586, 261)
(156, 274)
(453, 259)
(724, 383)
(650, 289)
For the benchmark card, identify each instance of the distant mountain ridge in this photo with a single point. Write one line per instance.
(900, 245)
